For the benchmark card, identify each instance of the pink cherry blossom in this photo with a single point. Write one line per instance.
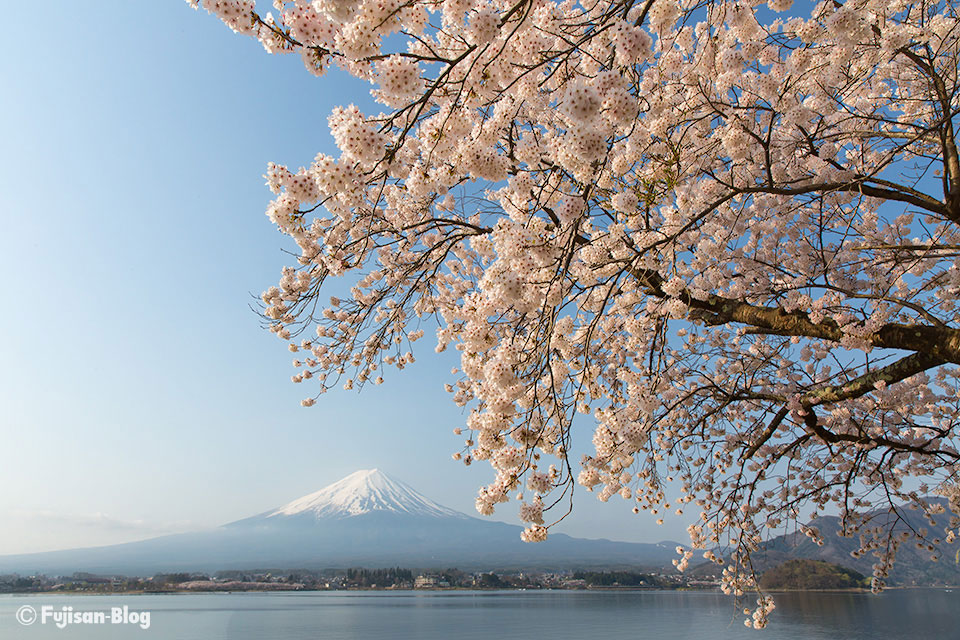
(729, 249)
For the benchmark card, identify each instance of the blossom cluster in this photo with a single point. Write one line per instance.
(695, 235)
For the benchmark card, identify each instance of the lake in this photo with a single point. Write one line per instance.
(914, 614)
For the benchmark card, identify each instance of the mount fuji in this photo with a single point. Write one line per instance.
(367, 519)
(362, 492)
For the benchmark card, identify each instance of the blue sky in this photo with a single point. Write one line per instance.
(139, 394)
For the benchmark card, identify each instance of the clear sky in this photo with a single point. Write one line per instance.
(138, 393)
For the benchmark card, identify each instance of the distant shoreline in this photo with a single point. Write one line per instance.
(857, 590)
(139, 592)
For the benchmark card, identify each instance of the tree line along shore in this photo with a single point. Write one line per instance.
(797, 574)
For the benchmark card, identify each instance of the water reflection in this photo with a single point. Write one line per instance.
(914, 614)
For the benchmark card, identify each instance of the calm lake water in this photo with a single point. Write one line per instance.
(611, 615)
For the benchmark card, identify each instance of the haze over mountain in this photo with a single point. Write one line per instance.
(367, 519)
(914, 566)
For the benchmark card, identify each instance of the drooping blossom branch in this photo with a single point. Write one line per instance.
(725, 243)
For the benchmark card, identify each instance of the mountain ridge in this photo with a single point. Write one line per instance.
(366, 519)
(913, 566)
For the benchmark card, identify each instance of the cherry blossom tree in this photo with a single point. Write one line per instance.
(720, 235)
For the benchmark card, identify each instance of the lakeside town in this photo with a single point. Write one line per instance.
(348, 579)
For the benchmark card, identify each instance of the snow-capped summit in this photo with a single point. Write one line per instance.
(364, 491)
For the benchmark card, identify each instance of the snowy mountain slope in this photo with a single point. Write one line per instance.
(362, 492)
